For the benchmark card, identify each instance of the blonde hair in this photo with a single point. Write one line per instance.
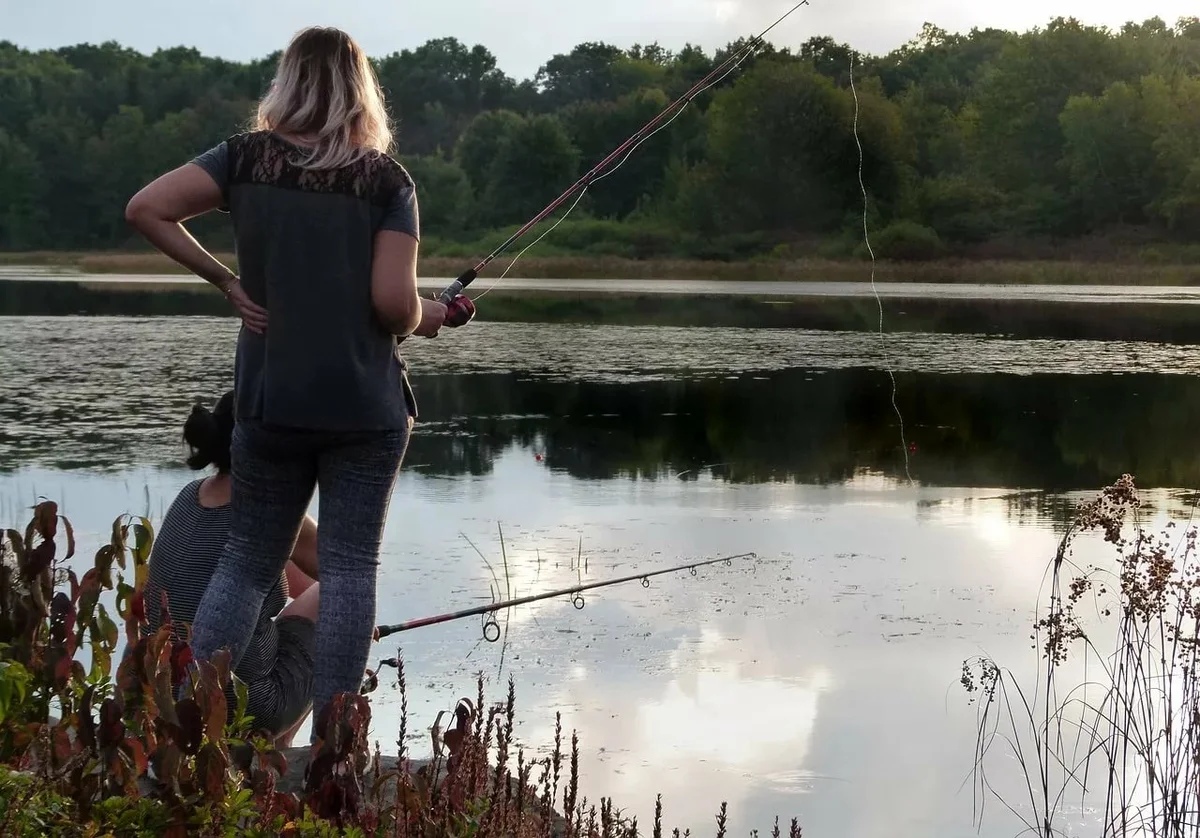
(325, 88)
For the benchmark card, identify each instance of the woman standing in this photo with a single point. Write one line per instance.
(326, 229)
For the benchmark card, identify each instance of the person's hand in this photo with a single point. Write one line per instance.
(254, 316)
(433, 317)
(375, 634)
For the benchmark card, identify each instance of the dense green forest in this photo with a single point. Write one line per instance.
(989, 142)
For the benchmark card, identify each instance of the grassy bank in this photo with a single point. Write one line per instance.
(948, 270)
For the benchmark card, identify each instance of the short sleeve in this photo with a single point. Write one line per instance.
(215, 161)
(402, 214)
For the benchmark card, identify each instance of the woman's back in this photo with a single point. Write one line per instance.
(186, 551)
(304, 242)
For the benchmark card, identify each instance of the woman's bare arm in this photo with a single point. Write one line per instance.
(394, 282)
(157, 212)
(158, 209)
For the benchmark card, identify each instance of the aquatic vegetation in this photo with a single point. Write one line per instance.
(86, 749)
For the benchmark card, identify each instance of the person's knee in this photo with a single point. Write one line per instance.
(298, 581)
(307, 605)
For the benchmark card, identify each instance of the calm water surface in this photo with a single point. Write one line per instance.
(820, 681)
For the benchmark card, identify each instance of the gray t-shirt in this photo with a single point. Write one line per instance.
(304, 240)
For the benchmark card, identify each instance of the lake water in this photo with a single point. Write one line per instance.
(820, 681)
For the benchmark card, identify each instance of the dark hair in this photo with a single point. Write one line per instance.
(210, 434)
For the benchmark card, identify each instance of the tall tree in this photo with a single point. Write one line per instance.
(534, 163)
(1059, 130)
(782, 153)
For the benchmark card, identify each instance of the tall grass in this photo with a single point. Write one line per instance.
(1125, 742)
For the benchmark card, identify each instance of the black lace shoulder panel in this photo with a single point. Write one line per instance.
(261, 157)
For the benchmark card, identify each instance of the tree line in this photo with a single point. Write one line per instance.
(969, 140)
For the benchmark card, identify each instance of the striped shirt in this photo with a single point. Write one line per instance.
(186, 551)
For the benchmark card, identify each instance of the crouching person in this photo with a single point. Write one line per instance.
(277, 667)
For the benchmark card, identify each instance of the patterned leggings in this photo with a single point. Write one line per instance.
(274, 474)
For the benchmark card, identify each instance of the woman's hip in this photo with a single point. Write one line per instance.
(276, 470)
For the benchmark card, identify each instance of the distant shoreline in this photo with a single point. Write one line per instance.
(1068, 310)
(1007, 272)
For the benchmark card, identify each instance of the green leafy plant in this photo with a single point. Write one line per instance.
(163, 746)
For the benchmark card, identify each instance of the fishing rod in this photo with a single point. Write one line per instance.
(462, 310)
(491, 629)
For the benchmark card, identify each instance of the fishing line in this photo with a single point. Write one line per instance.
(455, 288)
(867, 239)
(548, 231)
(683, 103)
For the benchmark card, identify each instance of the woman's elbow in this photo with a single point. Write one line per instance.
(408, 321)
(401, 312)
(138, 212)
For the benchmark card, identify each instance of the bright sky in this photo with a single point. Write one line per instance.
(524, 33)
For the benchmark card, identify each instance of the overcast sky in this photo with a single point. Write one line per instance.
(524, 33)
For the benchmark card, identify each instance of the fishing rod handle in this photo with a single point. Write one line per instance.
(456, 287)
(460, 310)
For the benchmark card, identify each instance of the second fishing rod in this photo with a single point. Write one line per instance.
(575, 592)
(462, 310)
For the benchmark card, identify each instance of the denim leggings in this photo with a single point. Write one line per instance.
(274, 473)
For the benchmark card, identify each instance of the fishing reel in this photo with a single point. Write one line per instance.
(459, 311)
